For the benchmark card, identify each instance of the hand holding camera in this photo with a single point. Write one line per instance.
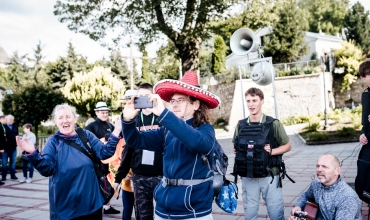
(300, 215)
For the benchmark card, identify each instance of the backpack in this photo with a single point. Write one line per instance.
(219, 167)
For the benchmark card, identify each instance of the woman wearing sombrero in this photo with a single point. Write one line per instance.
(186, 139)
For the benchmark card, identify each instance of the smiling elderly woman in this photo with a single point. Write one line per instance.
(73, 186)
(186, 139)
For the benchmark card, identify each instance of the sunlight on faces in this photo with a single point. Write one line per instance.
(9, 120)
(26, 130)
(327, 170)
(65, 119)
(179, 108)
(102, 115)
(254, 104)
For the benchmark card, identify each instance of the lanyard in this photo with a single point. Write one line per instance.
(260, 120)
(142, 121)
(4, 129)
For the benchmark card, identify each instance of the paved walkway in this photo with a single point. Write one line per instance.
(30, 200)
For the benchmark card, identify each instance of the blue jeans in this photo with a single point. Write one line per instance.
(25, 164)
(12, 155)
(128, 204)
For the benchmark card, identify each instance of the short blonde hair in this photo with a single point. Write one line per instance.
(63, 106)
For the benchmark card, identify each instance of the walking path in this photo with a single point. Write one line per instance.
(30, 200)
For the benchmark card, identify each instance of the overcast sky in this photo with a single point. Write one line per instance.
(24, 22)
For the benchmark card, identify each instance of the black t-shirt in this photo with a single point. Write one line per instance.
(132, 158)
(100, 128)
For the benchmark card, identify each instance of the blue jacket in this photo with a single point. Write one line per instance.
(73, 185)
(182, 146)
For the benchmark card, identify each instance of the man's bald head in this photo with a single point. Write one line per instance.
(332, 158)
(328, 169)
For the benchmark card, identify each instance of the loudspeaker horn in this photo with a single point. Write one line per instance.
(262, 73)
(243, 41)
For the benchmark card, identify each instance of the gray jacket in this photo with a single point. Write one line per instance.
(337, 201)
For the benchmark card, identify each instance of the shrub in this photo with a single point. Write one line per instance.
(47, 129)
(346, 131)
(313, 126)
(317, 136)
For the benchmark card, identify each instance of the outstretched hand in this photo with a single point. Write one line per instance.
(25, 144)
(159, 108)
(129, 111)
(117, 127)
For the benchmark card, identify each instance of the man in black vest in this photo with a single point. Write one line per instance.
(10, 150)
(147, 166)
(271, 137)
(101, 127)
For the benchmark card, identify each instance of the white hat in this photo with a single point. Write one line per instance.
(129, 93)
(101, 106)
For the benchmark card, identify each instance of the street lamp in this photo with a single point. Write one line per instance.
(324, 61)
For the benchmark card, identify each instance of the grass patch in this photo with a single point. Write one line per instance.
(349, 134)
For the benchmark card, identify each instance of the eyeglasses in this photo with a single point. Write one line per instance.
(178, 101)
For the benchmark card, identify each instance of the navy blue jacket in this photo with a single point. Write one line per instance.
(182, 146)
(73, 185)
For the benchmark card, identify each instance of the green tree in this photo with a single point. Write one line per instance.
(63, 69)
(84, 90)
(183, 22)
(219, 55)
(286, 43)
(357, 22)
(37, 70)
(166, 64)
(325, 15)
(32, 104)
(257, 14)
(16, 72)
(145, 68)
(348, 58)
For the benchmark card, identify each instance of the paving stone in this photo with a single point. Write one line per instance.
(31, 214)
(4, 209)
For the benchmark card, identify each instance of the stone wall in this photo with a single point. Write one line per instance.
(226, 94)
(347, 98)
(295, 95)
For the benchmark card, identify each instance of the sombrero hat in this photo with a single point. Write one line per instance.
(188, 85)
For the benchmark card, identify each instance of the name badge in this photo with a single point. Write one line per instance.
(148, 157)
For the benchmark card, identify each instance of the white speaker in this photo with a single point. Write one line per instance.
(244, 41)
(262, 73)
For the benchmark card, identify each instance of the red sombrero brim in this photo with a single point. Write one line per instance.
(166, 88)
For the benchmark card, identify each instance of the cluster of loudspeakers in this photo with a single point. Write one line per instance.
(245, 42)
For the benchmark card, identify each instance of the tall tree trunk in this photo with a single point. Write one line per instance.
(189, 54)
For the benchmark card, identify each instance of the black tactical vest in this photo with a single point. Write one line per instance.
(251, 159)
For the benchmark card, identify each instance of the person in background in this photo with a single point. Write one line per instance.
(28, 134)
(74, 190)
(3, 139)
(10, 150)
(146, 165)
(89, 121)
(336, 199)
(100, 128)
